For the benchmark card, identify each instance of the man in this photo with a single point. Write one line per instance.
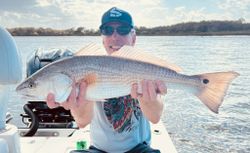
(118, 124)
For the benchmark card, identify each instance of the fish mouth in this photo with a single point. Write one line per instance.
(26, 96)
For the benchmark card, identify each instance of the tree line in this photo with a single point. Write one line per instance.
(238, 27)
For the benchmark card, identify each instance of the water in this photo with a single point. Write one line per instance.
(192, 127)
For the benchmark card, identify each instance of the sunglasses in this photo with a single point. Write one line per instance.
(121, 30)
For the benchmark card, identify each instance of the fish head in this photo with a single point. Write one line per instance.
(38, 87)
(33, 88)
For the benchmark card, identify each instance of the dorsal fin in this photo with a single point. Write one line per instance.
(91, 49)
(137, 54)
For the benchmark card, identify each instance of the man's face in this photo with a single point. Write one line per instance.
(115, 41)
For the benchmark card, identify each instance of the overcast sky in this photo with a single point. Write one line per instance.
(63, 14)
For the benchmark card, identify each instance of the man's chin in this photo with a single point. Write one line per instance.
(113, 49)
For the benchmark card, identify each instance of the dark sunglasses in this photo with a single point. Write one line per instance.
(121, 30)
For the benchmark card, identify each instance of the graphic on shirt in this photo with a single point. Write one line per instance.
(119, 112)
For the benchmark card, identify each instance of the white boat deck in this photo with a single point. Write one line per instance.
(58, 144)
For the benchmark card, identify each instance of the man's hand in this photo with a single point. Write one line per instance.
(150, 102)
(80, 108)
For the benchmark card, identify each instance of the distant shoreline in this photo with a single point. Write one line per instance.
(177, 34)
(144, 35)
(203, 28)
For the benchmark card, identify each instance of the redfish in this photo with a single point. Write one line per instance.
(112, 76)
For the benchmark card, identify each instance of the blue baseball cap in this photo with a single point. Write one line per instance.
(116, 15)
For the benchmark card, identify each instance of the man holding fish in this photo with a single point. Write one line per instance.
(119, 124)
(96, 85)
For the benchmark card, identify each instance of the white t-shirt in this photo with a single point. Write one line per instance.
(118, 125)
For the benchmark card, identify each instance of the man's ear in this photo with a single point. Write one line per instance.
(102, 39)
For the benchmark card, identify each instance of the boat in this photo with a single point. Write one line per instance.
(48, 130)
(58, 140)
(71, 140)
(54, 131)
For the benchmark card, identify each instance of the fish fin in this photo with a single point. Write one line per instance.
(131, 52)
(91, 49)
(90, 78)
(214, 88)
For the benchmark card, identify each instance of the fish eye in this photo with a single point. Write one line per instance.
(31, 85)
(205, 81)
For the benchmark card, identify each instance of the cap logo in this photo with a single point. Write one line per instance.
(115, 12)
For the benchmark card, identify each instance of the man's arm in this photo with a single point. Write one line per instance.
(80, 108)
(150, 102)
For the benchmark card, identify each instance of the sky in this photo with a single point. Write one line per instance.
(65, 14)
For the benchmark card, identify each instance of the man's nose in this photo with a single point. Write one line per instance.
(115, 34)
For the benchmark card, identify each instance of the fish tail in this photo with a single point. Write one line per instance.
(214, 88)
